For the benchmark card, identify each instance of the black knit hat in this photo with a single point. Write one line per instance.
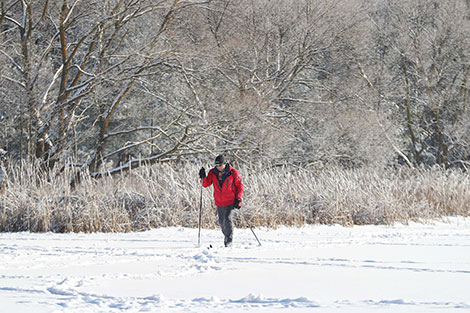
(219, 160)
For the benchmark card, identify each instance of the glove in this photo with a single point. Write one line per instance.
(202, 173)
(238, 204)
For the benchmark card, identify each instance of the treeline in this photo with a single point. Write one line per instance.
(108, 85)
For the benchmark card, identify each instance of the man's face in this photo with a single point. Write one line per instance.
(220, 168)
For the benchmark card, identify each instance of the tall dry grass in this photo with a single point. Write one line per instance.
(168, 195)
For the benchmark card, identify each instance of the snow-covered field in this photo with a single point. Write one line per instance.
(415, 268)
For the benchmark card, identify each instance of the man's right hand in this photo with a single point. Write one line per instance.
(202, 173)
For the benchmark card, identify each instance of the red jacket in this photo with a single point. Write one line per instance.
(232, 186)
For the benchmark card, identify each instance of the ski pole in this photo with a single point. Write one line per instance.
(200, 218)
(251, 228)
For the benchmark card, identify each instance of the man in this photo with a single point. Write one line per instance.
(228, 193)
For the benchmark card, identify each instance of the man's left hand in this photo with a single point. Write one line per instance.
(238, 204)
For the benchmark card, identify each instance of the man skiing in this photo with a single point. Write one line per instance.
(228, 193)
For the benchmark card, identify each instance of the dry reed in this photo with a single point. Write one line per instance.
(168, 195)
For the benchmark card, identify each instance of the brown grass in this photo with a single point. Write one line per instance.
(168, 195)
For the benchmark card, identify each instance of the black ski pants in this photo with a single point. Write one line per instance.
(225, 222)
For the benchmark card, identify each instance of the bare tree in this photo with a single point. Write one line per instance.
(275, 69)
(424, 51)
(82, 73)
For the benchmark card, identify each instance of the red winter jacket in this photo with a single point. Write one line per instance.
(232, 186)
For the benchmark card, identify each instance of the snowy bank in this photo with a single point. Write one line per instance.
(414, 268)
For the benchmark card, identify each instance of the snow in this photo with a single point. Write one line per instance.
(402, 268)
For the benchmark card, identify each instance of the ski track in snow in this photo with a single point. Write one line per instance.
(414, 268)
